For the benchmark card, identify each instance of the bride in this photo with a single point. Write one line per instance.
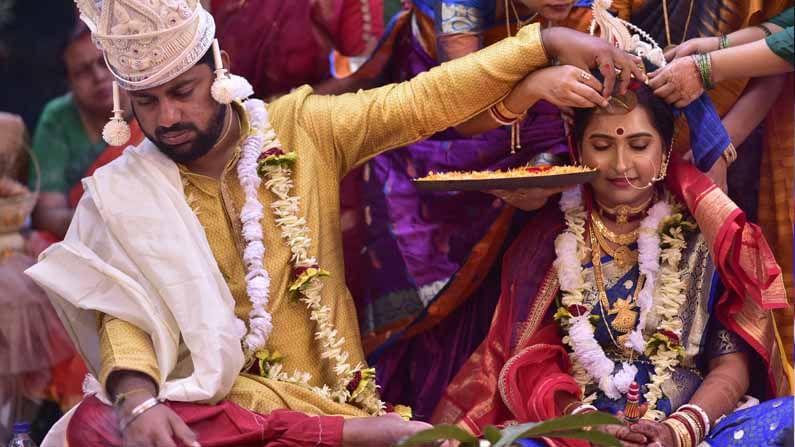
(648, 281)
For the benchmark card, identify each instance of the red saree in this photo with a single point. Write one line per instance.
(516, 372)
(281, 45)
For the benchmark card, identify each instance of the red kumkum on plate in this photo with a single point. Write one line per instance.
(517, 178)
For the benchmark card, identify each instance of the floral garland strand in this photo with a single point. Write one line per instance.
(570, 249)
(665, 347)
(664, 351)
(356, 384)
(257, 278)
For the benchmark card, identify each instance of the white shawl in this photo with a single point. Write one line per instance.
(136, 251)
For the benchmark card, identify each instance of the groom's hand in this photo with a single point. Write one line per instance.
(585, 51)
(157, 427)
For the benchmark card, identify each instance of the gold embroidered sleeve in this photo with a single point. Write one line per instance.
(125, 347)
(348, 129)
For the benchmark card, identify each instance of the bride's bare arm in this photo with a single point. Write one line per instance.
(727, 381)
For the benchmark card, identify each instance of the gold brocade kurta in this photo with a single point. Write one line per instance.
(331, 135)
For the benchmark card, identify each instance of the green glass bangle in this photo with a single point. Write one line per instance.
(704, 65)
(723, 42)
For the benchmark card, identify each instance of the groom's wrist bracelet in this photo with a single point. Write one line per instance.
(142, 408)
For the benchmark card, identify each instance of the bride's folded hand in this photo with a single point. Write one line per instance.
(625, 435)
(657, 433)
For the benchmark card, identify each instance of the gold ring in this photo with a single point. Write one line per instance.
(585, 76)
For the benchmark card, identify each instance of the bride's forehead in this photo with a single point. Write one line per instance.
(637, 119)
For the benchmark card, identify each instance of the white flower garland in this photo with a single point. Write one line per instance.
(356, 384)
(660, 298)
(257, 278)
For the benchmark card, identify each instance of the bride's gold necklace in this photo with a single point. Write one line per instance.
(623, 213)
(622, 255)
(626, 315)
(621, 239)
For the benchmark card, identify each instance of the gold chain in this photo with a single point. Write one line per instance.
(622, 255)
(621, 239)
(626, 315)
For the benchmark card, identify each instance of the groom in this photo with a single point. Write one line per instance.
(180, 239)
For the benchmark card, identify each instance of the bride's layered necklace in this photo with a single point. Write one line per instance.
(658, 296)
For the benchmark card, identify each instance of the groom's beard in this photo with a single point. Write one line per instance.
(192, 150)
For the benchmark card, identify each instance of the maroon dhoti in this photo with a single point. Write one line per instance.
(221, 425)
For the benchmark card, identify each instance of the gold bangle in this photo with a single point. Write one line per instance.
(695, 425)
(682, 436)
(506, 112)
(730, 154)
(499, 119)
(503, 115)
(670, 423)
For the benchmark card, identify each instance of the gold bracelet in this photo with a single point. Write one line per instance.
(730, 154)
(506, 112)
(503, 115)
